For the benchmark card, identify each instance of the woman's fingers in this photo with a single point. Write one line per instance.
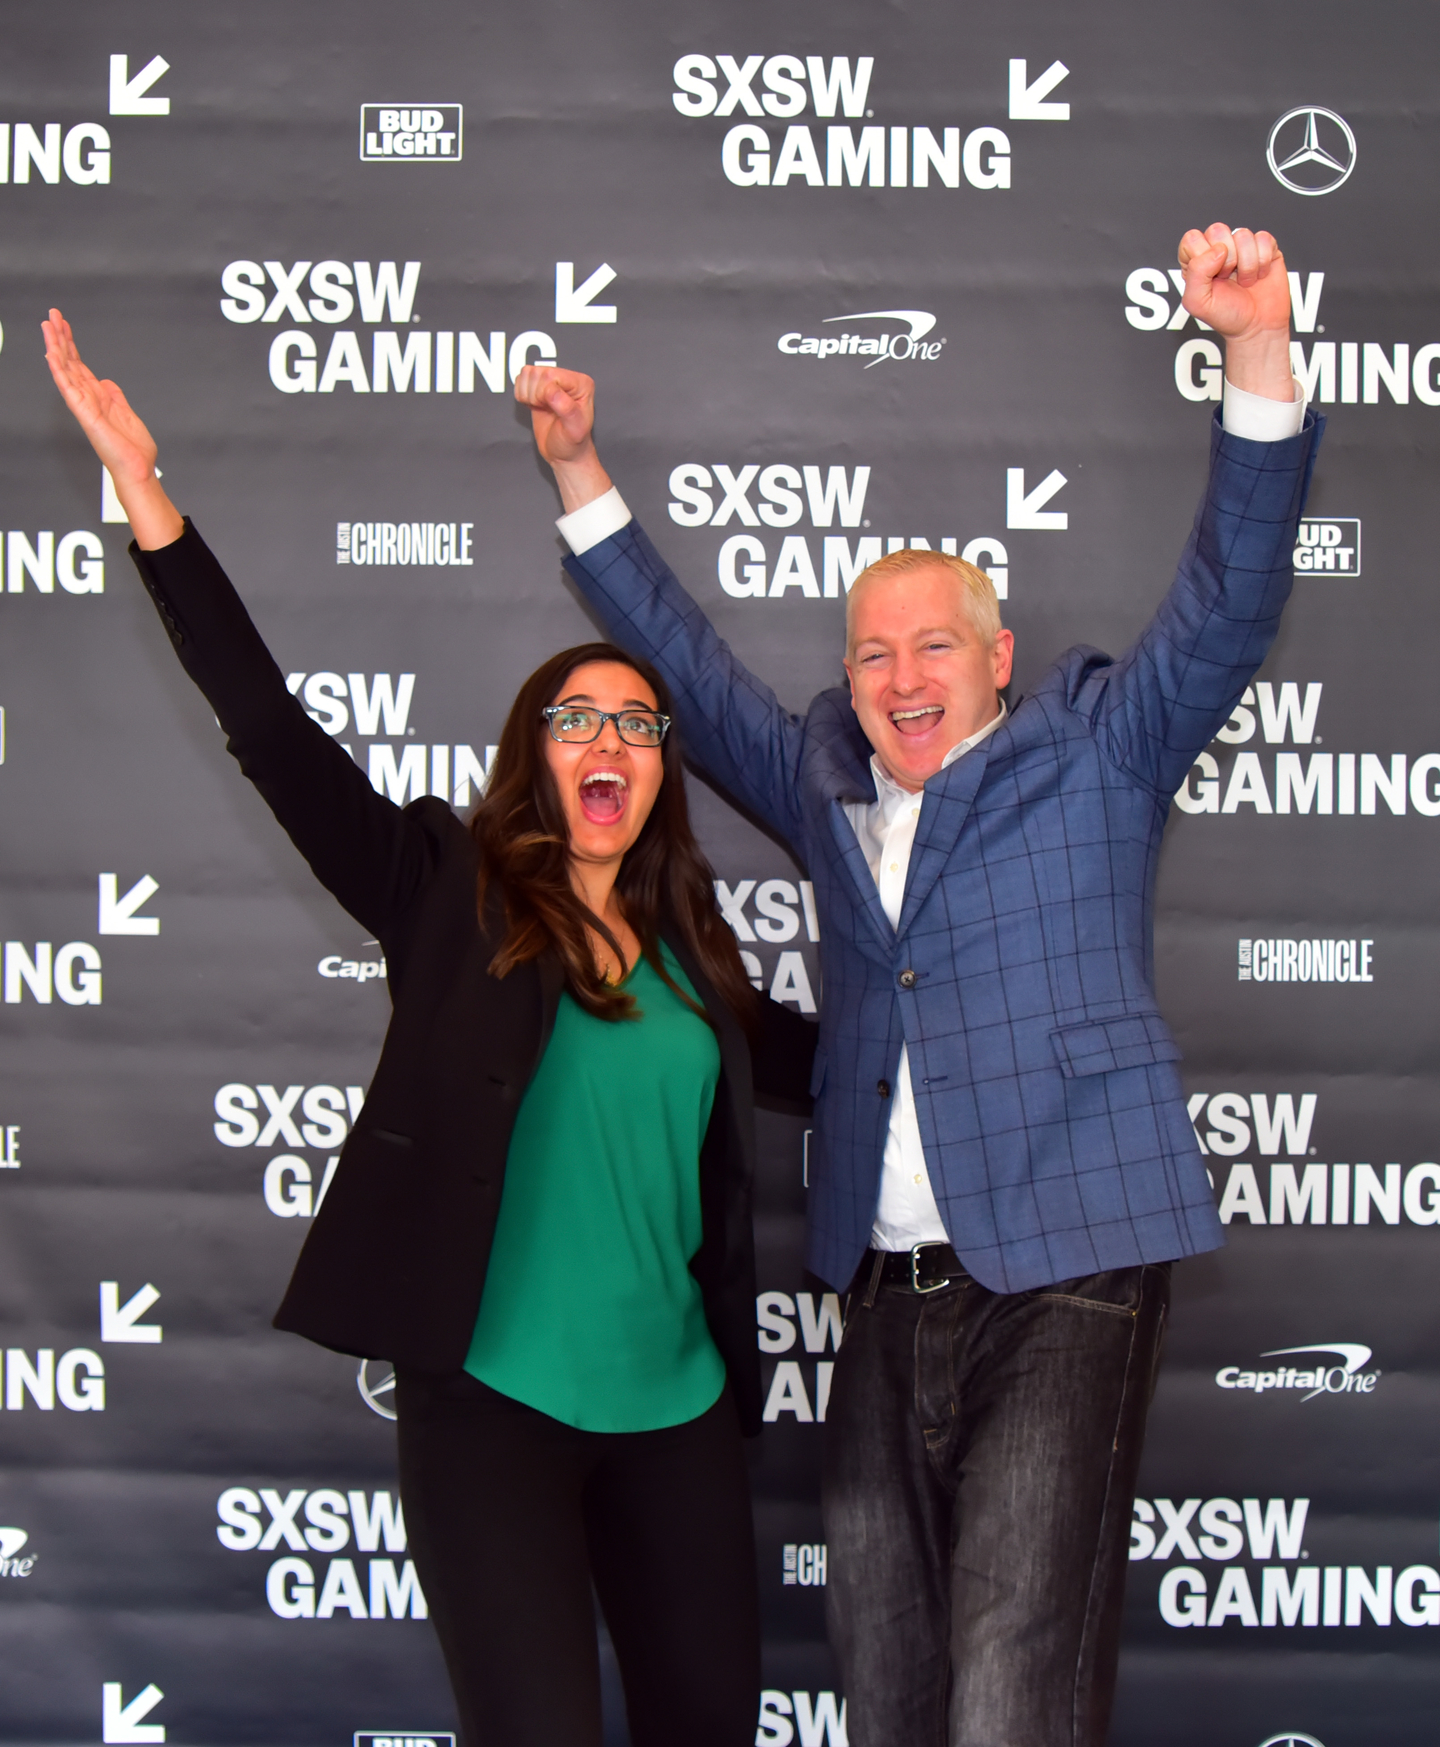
(59, 340)
(62, 355)
(82, 391)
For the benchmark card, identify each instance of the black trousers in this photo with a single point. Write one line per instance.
(513, 1517)
(981, 1453)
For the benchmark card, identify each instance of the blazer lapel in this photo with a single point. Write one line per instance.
(841, 769)
(552, 986)
(863, 890)
(948, 800)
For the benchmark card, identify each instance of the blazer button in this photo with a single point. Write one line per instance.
(907, 979)
(883, 1088)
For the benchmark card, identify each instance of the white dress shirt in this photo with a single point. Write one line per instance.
(906, 1213)
(885, 828)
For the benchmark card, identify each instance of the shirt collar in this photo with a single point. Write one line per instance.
(888, 791)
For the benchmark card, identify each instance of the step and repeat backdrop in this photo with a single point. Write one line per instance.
(849, 278)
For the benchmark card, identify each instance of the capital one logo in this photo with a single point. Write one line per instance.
(1311, 150)
(11, 1564)
(905, 342)
(1318, 1378)
(1291, 1741)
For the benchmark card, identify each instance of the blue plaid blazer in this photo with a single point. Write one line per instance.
(1045, 1079)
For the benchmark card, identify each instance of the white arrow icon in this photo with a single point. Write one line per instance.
(126, 94)
(572, 305)
(1027, 101)
(1024, 511)
(122, 1722)
(117, 914)
(11, 1541)
(121, 1322)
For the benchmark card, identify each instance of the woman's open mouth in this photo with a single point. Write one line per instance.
(603, 795)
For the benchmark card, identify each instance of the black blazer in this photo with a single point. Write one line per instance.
(394, 1263)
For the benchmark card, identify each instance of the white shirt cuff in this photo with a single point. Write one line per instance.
(1258, 418)
(604, 516)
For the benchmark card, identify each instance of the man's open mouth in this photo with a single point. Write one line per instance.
(603, 795)
(917, 721)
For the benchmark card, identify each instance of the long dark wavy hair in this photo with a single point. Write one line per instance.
(524, 847)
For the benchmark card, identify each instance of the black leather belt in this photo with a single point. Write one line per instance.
(925, 1268)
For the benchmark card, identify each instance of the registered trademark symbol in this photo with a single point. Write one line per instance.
(867, 521)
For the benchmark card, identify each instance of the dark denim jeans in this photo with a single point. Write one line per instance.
(981, 1452)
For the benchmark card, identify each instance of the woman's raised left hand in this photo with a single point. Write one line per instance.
(117, 435)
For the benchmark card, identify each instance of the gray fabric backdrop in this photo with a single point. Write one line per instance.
(845, 274)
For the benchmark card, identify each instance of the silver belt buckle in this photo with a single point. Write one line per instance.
(915, 1269)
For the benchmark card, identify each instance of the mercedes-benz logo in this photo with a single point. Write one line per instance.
(1292, 1741)
(376, 1382)
(1311, 150)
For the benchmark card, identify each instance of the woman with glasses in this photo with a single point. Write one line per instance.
(542, 1216)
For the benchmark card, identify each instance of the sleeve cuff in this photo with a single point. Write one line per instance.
(604, 516)
(1257, 417)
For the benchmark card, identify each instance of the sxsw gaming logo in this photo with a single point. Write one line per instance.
(1311, 150)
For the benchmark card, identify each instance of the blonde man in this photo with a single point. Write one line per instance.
(1003, 1168)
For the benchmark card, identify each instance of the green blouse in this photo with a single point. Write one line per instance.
(590, 1311)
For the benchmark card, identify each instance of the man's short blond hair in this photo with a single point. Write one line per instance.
(982, 605)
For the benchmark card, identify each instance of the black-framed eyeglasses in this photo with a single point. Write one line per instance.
(577, 724)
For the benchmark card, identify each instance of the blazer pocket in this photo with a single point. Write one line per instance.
(1104, 1046)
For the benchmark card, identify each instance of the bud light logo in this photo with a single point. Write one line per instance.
(1328, 546)
(432, 133)
(436, 1738)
